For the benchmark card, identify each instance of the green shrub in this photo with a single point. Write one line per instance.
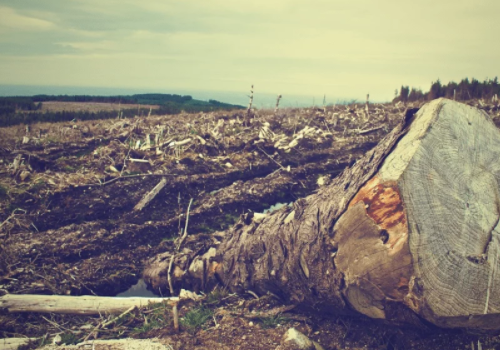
(196, 318)
(156, 319)
(3, 192)
(69, 338)
(216, 296)
(273, 321)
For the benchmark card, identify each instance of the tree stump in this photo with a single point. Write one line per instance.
(408, 233)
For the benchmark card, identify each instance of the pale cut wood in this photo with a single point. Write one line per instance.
(139, 160)
(454, 217)
(81, 305)
(14, 343)
(114, 344)
(150, 195)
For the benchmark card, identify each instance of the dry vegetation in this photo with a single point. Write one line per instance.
(68, 223)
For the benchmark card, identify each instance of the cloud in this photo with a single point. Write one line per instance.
(337, 47)
(11, 20)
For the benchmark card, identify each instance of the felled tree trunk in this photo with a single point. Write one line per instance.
(410, 232)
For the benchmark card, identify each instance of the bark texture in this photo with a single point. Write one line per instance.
(291, 253)
(409, 232)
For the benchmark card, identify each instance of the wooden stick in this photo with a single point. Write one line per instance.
(249, 110)
(81, 305)
(150, 195)
(135, 160)
(128, 177)
(277, 104)
(107, 323)
(94, 331)
(366, 131)
(125, 161)
(367, 112)
(169, 275)
(176, 318)
(10, 217)
(279, 164)
(186, 226)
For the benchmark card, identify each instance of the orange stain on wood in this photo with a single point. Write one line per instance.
(384, 205)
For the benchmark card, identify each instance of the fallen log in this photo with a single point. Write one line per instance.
(81, 305)
(113, 344)
(14, 343)
(409, 233)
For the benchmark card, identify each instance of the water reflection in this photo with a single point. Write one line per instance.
(138, 290)
(275, 207)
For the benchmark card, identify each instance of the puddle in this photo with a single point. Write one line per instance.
(138, 290)
(275, 207)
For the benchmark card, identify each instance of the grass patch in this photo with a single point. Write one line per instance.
(3, 192)
(231, 219)
(169, 238)
(69, 168)
(69, 338)
(83, 153)
(196, 318)
(204, 228)
(155, 317)
(216, 296)
(273, 322)
(39, 184)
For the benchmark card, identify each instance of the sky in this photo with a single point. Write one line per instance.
(343, 49)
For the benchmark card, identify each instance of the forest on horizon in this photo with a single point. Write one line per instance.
(464, 90)
(27, 109)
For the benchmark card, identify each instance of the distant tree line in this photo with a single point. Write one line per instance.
(37, 117)
(13, 104)
(23, 109)
(143, 99)
(464, 90)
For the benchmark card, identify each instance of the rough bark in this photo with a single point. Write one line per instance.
(290, 253)
(410, 232)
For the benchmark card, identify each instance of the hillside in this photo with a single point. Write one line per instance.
(54, 108)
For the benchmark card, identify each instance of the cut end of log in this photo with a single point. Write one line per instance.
(424, 231)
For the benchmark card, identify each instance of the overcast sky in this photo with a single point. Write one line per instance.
(339, 48)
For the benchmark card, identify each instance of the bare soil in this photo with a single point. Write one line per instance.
(68, 224)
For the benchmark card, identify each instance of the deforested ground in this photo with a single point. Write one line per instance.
(71, 223)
